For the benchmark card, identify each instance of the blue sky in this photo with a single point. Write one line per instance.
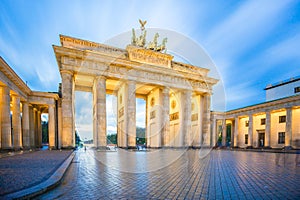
(252, 43)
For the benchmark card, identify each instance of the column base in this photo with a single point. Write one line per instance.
(18, 148)
(7, 148)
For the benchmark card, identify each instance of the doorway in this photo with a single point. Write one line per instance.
(261, 139)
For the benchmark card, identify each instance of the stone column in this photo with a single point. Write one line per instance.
(250, 131)
(35, 123)
(5, 119)
(68, 130)
(232, 134)
(288, 128)
(131, 115)
(206, 121)
(214, 132)
(223, 132)
(99, 105)
(25, 125)
(16, 122)
(166, 117)
(187, 118)
(39, 129)
(236, 131)
(59, 124)
(31, 126)
(51, 126)
(268, 129)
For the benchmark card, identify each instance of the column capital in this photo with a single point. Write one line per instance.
(15, 95)
(51, 106)
(165, 90)
(67, 72)
(130, 82)
(100, 77)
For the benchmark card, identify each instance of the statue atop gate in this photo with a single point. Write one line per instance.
(141, 40)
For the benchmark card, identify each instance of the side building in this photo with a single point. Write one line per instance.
(272, 124)
(21, 110)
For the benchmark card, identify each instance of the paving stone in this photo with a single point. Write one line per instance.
(25, 170)
(220, 175)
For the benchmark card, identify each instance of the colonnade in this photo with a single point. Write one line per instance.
(268, 127)
(20, 122)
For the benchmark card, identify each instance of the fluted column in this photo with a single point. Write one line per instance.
(268, 129)
(223, 132)
(131, 114)
(206, 120)
(214, 132)
(250, 131)
(16, 122)
(51, 126)
(25, 125)
(59, 124)
(99, 108)
(288, 128)
(187, 110)
(68, 129)
(166, 117)
(39, 129)
(5, 119)
(31, 126)
(236, 132)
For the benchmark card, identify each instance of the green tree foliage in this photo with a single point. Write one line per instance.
(77, 139)
(140, 137)
(45, 138)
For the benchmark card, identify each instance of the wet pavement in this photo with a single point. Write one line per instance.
(187, 175)
(20, 170)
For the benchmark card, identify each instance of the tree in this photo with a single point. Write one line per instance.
(45, 138)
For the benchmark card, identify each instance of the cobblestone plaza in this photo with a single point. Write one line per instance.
(219, 175)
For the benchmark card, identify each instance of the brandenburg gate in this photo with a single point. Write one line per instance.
(177, 95)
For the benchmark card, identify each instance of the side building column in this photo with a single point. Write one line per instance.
(224, 132)
(236, 132)
(166, 118)
(31, 126)
(51, 126)
(16, 122)
(5, 119)
(68, 126)
(214, 132)
(25, 125)
(288, 128)
(268, 129)
(250, 131)
(99, 109)
(206, 121)
(131, 114)
(39, 129)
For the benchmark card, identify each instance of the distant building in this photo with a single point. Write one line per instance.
(271, 124)
(283, 89)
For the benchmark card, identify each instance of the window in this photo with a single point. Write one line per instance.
(246, 139)
(281, 137)
(247, 123)
(297, 89)
(263, 121)
(282, 119)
